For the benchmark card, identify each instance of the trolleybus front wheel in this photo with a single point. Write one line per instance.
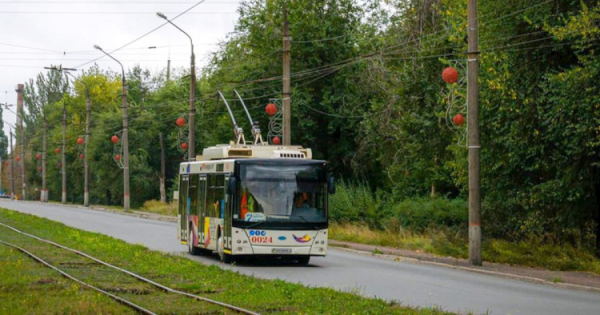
(225, 258)
(303, 260)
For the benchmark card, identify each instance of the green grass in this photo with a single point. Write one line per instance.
(445, 242)
(265, 296)
(155, 206)
(27, 287)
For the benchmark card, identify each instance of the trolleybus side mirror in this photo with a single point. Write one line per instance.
(331, 184)
(231, 185)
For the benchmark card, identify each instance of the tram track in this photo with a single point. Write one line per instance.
(128, 303)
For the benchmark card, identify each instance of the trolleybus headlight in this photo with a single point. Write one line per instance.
(245, 242)
(239, 249)
(320, 250)
(239, 241)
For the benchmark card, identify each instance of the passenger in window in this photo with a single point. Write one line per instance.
(301, 200)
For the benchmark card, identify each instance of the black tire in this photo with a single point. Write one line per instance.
(303, 260)
(192, 250)
(224, 257)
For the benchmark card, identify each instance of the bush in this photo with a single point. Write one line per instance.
(355, 203)
(421, 213)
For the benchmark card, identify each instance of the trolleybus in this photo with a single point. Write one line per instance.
(249, 200)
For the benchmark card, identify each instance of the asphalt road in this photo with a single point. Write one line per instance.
(409, 283)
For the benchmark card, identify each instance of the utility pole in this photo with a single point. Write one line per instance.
(23, 196)
(44, 194)
(192, 116)
(287, 130)
(12, 166)
(21, 131)
(86, 170)
(473, 135)
(125, 136)
(64, 166)
(163, 193)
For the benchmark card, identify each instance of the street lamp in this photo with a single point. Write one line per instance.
(86, 172)
(191, 123)
(124, 136)
(64, 131)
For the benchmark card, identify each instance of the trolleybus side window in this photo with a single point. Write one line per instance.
(193, 194)
(215, 195)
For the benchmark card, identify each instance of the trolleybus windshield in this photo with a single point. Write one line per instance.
(281, 193)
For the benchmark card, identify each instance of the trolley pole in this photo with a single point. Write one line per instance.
(287, 130)
(473, 136)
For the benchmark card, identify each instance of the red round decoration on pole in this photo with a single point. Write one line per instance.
(57, 150)
(458, 119)
(80, 140)
(118, 157)
(81, 156)
(5, 163)
(450, 75)
(180, 122)
(271, 109)
(18, 158)
(276, 140)
(114, 139)
(38, 156)
(184, 145)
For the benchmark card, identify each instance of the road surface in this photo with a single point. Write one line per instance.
(409, 283)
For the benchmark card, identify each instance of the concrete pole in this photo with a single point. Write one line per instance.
(64, 164)
(287, 130)
(163, 192)
(125, 147)
(473, 136)
(12, 167)
(44, 193)
(86, 170)
(192, 115)
(125, 135)
(24, 186)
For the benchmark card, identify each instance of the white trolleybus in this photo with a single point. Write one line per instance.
(244, 200)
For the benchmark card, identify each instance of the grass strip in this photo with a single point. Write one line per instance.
(264, 296)
(444, 242)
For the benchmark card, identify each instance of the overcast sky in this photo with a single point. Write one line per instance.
(37, 34)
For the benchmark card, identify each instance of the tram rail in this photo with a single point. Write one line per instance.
(134, 275)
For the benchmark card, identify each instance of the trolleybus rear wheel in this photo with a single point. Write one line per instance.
(303, 260)
(191, 248)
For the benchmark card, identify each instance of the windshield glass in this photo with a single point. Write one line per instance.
(281, 193)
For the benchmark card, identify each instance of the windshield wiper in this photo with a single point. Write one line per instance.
(316, 227)
(255, 224)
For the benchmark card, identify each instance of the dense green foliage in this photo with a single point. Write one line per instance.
(367, 95)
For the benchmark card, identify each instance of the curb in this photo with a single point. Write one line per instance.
(399, 258)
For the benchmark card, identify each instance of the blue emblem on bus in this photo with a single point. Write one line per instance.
(282, 238)
(257, 233)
